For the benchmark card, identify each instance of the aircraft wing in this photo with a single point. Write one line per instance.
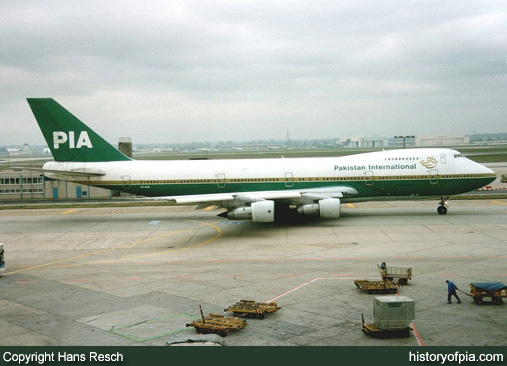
(295, 196)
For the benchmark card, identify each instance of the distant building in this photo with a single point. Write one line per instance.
(401, 141)
(366, 142)
(442, 140)
(16, 185)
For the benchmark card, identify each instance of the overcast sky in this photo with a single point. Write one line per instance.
(180, 71)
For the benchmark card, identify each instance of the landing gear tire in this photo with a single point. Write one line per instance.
(442, 210)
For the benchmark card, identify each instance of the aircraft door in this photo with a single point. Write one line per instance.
(433, 176)
(369, 178)
(289, 180)
(126, 181)
(220, 180)
(442, 158)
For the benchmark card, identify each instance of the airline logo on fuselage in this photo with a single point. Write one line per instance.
(430, 162)
(83, 140)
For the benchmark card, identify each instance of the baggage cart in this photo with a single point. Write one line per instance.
(374, 331)
(496, 290)
(252, 309)
(376, 287)
(217, 324)
(392, 316)
(402, 274)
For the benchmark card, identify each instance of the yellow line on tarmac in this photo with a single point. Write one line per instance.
(499, 202)
(209, 208)
(68, 212)
(351, 205)
(56, 263)
(219, 233)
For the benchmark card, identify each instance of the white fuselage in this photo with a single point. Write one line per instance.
(376, 170)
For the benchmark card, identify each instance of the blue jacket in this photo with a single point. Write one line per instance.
(451, 287)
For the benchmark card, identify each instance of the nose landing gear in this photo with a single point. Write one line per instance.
(442, 208)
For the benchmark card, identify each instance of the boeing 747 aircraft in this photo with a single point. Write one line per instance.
(255, 189)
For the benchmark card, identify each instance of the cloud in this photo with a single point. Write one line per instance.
(240, 70)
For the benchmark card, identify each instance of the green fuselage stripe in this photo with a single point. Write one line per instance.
(366, 186)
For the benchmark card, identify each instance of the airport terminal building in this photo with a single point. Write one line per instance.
(27, 185)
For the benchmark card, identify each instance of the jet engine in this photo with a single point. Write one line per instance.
(329, 208)
(260, 211)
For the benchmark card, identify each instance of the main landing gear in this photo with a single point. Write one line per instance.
(442, 208)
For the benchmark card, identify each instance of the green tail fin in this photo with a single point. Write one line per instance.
(68, 138)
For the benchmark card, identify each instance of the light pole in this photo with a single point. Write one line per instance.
(403, 137)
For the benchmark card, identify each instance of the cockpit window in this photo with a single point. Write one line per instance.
(459, 156)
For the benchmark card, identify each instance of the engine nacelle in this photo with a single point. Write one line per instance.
(263, 211)
(260, 211)
(309, 209)
(329, 208)
(239, 213)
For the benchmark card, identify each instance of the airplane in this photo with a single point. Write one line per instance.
(255, 189)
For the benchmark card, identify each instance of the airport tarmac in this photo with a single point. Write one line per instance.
(137, 275)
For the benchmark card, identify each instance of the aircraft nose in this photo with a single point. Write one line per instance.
(487, 170)
(481, 169)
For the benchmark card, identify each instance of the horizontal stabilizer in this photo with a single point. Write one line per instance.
(78, 173)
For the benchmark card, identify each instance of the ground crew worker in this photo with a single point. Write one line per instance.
(383, 267)
(451, 288)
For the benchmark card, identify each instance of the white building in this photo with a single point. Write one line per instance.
(367, 142)
(442, 140)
